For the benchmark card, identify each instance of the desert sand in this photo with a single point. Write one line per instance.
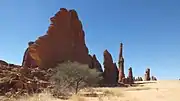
(163, 90)
(168, 90)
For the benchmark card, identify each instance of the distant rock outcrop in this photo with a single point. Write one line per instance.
(147, 75)
(130, 78)
(110, 70)
(139, 79)
(153, 78)
(63, 41)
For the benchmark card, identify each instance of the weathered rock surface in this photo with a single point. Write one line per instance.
(110, 76)
(63, 41)
(147, 75)
(28, 61)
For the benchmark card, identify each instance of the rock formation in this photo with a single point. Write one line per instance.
(28, 61)
(63, 41)
(121, 64)
(13, 82)
(110, 75)
(153, 78)
(130, 76)
(147, 75)
(3, 63)
(95, 63)
(138, 79)
(116, 74)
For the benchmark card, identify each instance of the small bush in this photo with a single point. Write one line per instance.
(70, 77)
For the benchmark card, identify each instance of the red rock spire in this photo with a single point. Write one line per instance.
(121, 51)
(121, 64)
(130, 76)
(147, 74)
(110, 70)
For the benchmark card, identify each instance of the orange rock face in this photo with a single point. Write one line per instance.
(63, 41)
(28, 61)
(110, 72)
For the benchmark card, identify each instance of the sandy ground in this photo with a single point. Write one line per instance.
(154, 91)
(149, 91)
(160, 91)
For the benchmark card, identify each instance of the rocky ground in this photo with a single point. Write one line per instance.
(15, 80)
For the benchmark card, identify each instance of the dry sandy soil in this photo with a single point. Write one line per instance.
(145, 91)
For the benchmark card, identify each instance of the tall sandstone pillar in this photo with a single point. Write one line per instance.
(130, 76)
(147, 75)
(121, 64)
(110, 70)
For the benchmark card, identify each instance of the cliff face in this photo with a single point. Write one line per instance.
(63, 41)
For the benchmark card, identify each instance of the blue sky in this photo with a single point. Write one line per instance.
(149, 29)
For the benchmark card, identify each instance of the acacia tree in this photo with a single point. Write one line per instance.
(73, 76)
